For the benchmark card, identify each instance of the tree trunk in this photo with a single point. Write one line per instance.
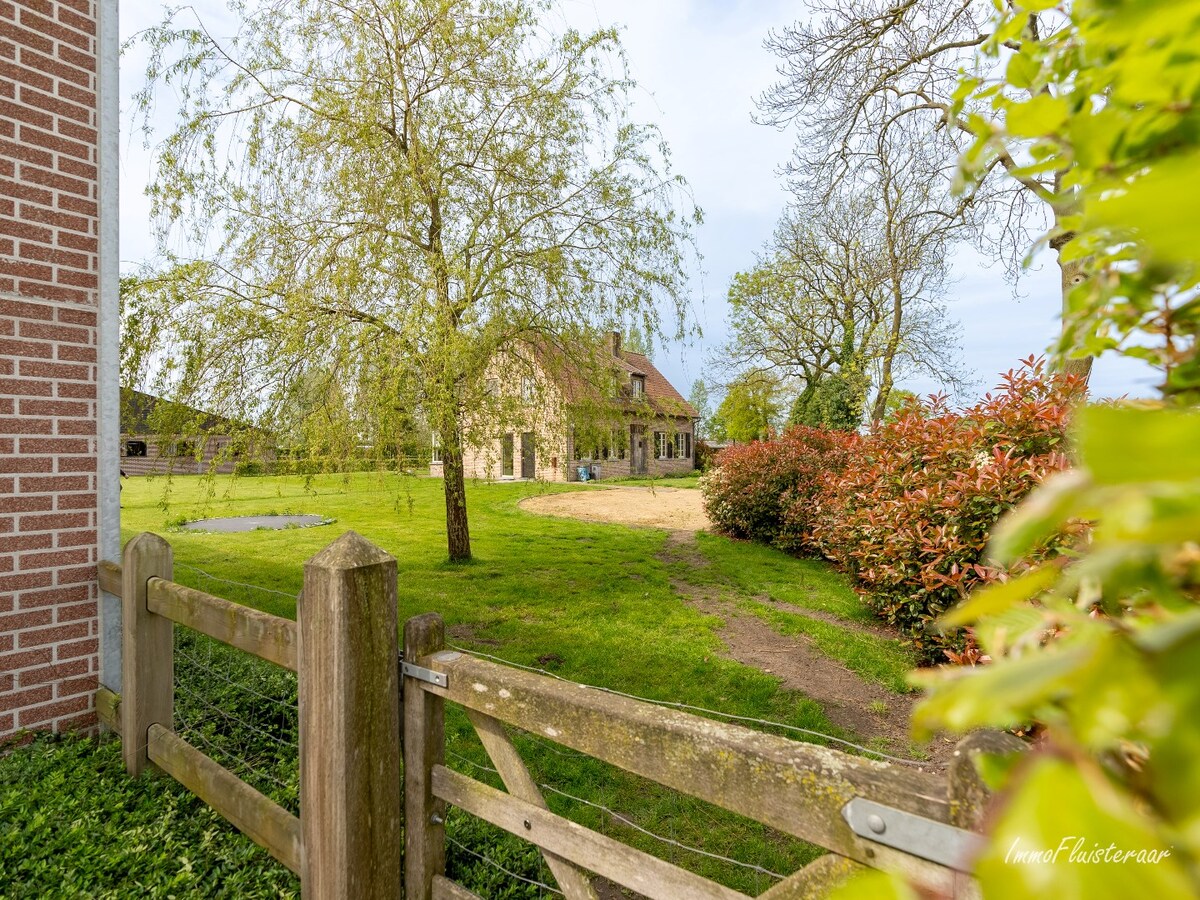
(1073, 274)
(458, 535)
(889, 354)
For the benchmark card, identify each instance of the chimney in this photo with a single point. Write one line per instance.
(616, 344)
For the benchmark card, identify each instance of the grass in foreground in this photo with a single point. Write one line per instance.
(72, 824)
(591, 602)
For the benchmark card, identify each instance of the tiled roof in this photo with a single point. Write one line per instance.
(578, 379)
(660, 392)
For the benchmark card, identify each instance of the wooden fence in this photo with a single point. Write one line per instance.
(343, 647)
(354, 800)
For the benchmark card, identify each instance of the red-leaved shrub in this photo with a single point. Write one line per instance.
(910, 514)
(746, 494)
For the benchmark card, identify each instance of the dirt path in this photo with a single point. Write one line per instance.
(870, 712)
(867, 710)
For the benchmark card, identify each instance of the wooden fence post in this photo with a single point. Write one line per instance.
(147, 660)
(424, 747)
(968, 795)
(350, 784)
(966, 791)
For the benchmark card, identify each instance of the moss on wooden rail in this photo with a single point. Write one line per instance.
(797, 788)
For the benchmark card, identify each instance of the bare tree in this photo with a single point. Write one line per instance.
(917, 224)
(849, 290)
(859, 69)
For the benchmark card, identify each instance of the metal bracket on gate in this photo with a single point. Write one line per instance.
(915, 835)
(423, 674)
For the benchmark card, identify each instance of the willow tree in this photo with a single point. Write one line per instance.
(383, 195)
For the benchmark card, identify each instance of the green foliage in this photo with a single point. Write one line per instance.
(380, 205)
(898, 401)
(750, 409)
(1115, 690)
(833, 402)
(701, 401)
(746, 494)
(1099, 653)
(1109, 104)
(72, 824)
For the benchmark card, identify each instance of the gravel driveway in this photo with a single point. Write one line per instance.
(676, 509)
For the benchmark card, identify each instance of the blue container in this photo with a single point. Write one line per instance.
(584, 473)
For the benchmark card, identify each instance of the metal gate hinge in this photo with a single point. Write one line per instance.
(915, 835)
(423, 674)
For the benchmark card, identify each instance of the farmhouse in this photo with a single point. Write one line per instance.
(560, 424)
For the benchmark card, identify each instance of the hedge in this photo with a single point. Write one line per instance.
(907, 509)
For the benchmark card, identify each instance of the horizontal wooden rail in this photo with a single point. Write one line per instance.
(445, 889)
(797, 788)
(272, 638)
(109, 574)
(257, 816)
(108, 709)
(648, 875)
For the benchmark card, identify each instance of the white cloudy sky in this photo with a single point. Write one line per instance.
(700, 64)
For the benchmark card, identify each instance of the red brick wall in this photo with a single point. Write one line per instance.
(48, 272)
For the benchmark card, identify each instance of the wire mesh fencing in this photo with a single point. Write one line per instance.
(239, 710)
(738, 852)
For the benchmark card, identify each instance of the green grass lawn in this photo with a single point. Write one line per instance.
(592, 602)
(691, 480)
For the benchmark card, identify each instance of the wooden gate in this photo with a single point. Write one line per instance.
(344, 648)
(844, 803)
(354, 799)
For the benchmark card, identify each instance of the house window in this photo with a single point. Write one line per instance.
(493, 387)
(683, 444)
(638, 383)
(664, 445)
(528, 389)
(183, 448)
(135, 448)
(436, 456)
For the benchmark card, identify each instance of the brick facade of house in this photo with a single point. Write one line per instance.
(48, 373)
(652, 426)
